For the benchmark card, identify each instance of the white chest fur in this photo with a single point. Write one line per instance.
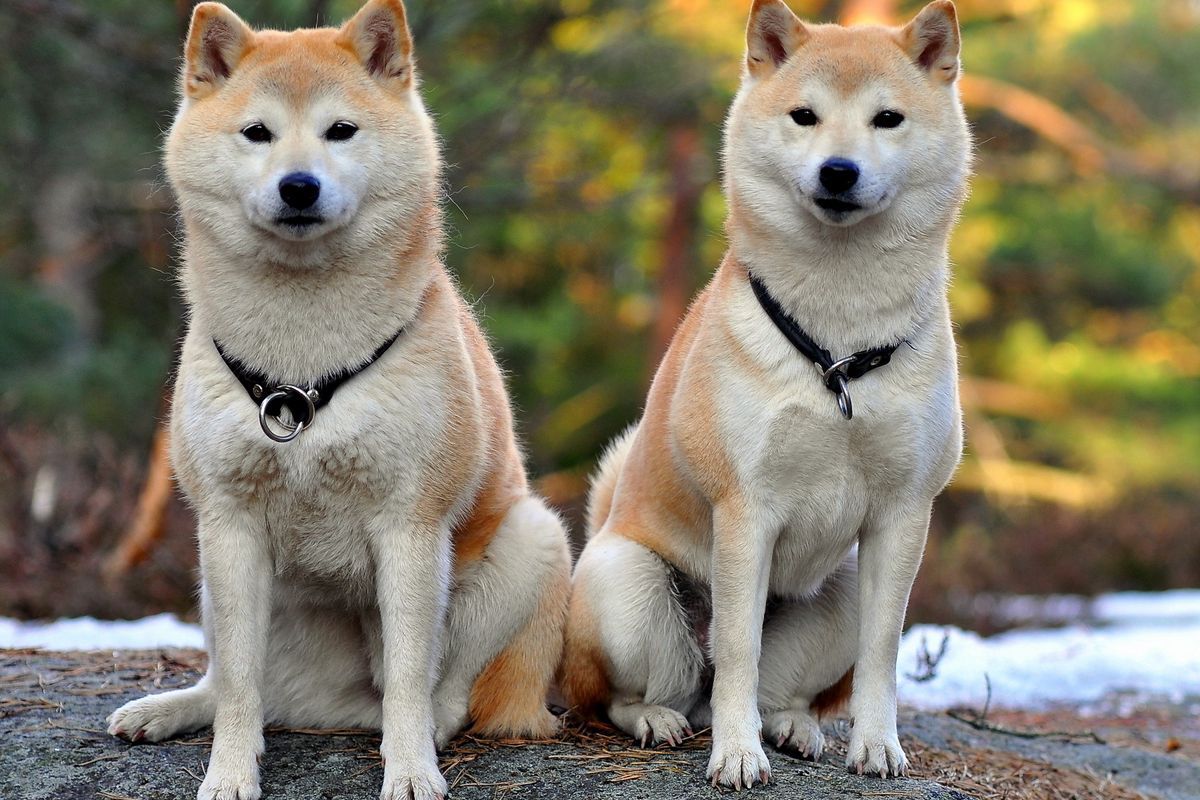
(360, 460)
(818, 478)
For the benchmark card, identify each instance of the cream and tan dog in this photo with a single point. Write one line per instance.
(389, 567)
(748, 530)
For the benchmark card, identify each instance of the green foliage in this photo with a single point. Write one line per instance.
(115, 390)
(32, 329)
(1077, 286)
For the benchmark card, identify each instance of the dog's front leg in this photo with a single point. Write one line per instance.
(412, 573)
(236, 603)
(741, 564)
(889, 553)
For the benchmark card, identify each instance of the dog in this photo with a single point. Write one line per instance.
(373, 559)
(754, 538)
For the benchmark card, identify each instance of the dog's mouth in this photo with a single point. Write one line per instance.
(832, 204)
(301, 221)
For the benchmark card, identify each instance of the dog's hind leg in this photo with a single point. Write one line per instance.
(504, 630)
(156, 717)
(318, 674)
(317, 677)
(653, 660)
(808, 653)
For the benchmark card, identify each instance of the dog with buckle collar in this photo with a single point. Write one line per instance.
(804, 515)
(371, 553)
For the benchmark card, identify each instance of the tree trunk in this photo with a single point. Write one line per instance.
(684, 160)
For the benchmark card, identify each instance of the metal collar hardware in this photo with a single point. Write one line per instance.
(302, 402)
(835, 374)
(278, 400)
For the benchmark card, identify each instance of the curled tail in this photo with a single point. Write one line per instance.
(583, 677)
(604, 481)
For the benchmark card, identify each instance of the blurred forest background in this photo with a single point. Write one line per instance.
(582, 140)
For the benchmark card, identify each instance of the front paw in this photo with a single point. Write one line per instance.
(222, 786)
(738, 763)
(413, 781)
(233, 766)
(876, 753)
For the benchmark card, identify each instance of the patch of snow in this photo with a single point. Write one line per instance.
(1141, 645)
(1007, 610)
(1061, 609)
(1148, 646)
(1162, 607)
(87, 633)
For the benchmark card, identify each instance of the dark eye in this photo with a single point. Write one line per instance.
(257, 133)
(803, 116)
(341, 131)
(887, 119)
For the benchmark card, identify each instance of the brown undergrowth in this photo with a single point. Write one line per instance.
(988, 774)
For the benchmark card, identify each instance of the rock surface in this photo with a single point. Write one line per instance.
(52, 710)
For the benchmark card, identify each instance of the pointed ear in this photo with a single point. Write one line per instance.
(932, 41)
(216, 41)
(378, 35)
(772, 35)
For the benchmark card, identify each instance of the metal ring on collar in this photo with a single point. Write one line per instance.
(845, 404)
(281, 392)
(835, 367)
(839, 384)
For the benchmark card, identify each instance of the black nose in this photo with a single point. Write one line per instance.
(299, 190)
(839, 175)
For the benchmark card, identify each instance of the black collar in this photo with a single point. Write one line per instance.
(301, 401)
(835, 374)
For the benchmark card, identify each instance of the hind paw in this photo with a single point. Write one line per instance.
(795, 731)
(449, 718)
(160, 716)
(543, 726)
(659, 724)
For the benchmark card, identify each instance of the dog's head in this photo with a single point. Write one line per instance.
(841, 125)
(292, 146)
